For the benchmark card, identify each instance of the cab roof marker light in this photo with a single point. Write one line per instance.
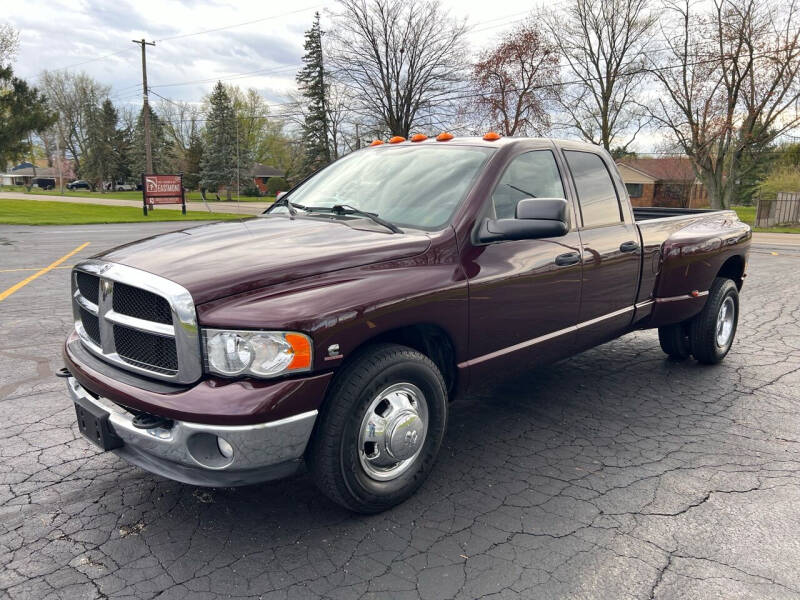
(444, 137)
(419, 137)
(397, 139)
(491, 136)
(376, 143)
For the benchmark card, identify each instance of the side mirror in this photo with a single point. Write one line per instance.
(536, 218)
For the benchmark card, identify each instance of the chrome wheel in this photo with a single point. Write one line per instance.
(725, 318)
(393, 431)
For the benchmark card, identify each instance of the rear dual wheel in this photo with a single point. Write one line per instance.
(380, 430)
(709, 335)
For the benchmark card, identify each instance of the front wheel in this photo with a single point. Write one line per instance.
(713, 330)
(381, 428)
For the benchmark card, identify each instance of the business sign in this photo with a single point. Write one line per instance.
(163, 189)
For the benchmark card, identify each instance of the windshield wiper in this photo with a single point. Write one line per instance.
(346, 209)
(526, 192)
(289, 205)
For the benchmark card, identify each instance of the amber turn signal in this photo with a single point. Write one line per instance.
(376, 143)
(444, 136)
(397, 139)
(301, 348)
(419, 137)
(491, 136)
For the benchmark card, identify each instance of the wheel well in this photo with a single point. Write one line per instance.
(733, 268)
(432, 341)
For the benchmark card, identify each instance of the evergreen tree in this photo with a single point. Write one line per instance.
(104, 159)
(193, 160)
(218, 165)
(311, 81)
(23, 110)
(164, 159)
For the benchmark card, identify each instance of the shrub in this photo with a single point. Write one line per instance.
(251, 191)
(780, 180)
(275, 185)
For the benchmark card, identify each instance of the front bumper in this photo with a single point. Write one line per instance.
(188, 452)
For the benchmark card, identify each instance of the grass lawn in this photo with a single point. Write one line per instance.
(190, 196)
(748, 215)
(26, 212)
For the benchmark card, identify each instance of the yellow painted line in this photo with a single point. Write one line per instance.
(31, 269)
(50, 267)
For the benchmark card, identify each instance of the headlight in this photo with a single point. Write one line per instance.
(256, 353)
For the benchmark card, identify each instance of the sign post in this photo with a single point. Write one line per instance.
(163, 189)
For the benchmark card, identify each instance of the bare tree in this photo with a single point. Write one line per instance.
(517, 81)
(9, 44)
(401, 59)
(603, 43)
(730, 83)
(73, 97)
(180, 121)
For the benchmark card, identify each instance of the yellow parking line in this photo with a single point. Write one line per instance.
(49, 267)
(31, 269)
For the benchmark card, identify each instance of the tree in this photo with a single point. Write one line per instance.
(313, 86)
(192, 161)
(23, 111)
(105, 153)
(218, 166)
(604, 45)
(9, 44)
(73, 97)
(401, 58)
(162, 148)
(729, 84)
(516, 81)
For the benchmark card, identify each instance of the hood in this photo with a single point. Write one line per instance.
(222, 259)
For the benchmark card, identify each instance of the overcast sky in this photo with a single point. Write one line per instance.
(57, 34)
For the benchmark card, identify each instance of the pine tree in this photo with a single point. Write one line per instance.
(311, 81)
(218, 166)
(193, 160)
(164, 158)
(104, 158)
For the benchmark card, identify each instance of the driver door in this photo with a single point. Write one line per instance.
(524, 295)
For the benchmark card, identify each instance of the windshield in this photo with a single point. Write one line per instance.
(419, 187)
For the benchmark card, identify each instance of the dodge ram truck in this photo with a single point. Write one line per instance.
(334, 330)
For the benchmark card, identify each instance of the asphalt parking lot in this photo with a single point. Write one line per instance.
(615, 474)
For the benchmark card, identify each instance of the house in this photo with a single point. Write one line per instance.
(23, 174)
(261, 174)
(666, 181)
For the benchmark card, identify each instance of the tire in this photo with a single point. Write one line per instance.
(338, 455)
(710, 342)
(674, 340)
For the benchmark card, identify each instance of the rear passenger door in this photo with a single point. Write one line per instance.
(611, 251)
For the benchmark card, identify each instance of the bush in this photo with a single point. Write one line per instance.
(251, 191)
(275, 185)
(780, 180)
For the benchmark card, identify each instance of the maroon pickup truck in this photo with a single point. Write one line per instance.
(335, 329)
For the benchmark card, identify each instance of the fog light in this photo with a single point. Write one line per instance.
(224, 448)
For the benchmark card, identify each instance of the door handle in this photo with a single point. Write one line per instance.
(570, 258)
(629, 246)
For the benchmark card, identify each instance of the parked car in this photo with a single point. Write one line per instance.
(44, 183)
(337, 327)
(125, 187)
(79, 184)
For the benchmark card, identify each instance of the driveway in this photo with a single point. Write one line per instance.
(614, 474)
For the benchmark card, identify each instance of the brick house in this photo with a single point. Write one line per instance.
(668, 181)
(261, 174)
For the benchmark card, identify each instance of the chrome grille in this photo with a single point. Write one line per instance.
(139, 321)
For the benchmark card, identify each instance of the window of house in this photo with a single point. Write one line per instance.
(530, 175)
(596, 194)
(635, 190)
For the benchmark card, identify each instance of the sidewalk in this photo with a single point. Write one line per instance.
(777, 239)
(245, 208)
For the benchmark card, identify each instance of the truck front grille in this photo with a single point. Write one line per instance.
(137, 320)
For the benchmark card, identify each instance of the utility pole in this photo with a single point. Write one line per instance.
(148, 152)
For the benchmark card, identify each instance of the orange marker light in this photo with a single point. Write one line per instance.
(397, 139)
(376, 143)
(419, 137)
(444, 136)
(301, 346)
(491, 136)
